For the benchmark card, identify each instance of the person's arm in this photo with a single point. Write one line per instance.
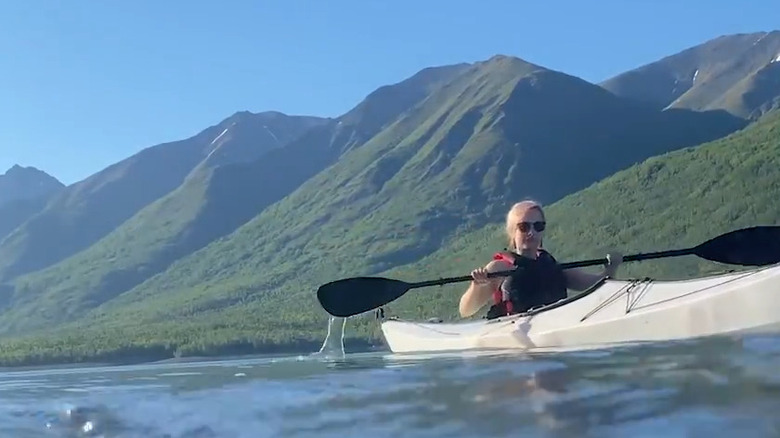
(480, 291)
(579, 280)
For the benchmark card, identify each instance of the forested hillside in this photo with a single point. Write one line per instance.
(217, 243)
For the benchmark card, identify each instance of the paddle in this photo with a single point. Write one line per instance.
(755, 246)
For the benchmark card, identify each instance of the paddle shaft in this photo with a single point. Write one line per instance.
(754, 246)
(632, 258)
(569, 265)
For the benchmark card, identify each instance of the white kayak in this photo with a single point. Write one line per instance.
(616, 311)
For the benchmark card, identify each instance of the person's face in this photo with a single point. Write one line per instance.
(529, 228)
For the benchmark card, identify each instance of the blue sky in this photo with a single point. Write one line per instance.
(85, 84)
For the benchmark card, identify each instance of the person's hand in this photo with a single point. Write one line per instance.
(480, 275)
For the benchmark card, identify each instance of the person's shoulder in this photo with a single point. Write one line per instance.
(547, 254)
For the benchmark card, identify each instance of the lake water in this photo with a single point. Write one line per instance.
(717, 387)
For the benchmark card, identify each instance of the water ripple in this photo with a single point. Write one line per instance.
(714, 387)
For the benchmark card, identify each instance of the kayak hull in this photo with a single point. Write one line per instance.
(616, 311)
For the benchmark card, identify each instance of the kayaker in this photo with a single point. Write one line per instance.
(541, 281)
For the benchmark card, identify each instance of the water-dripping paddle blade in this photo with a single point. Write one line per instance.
(353, 296)
(755, 246)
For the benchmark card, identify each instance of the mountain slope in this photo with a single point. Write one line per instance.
(502, 129)
(675, 200)
(84, 212)
(15, 213)
(24, 191)
(260, 299)
(23, 183)
(728, 183)
(245, 172)
(737, 73)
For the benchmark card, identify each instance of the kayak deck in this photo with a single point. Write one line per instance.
(617, 311)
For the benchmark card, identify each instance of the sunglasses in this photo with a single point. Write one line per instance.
(526, 226)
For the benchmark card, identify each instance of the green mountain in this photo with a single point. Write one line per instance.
(500, 130)
(728, 183)
(18, 211)
(496, 131)
(24, 191)
(249, 167)
(674, 200)
(83, 213)
(738, 73)
(217, 196)
(225, 255)
(23, 183)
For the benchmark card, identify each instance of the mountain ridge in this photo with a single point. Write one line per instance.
(459, 156)
(413, 166)
(727, 72)
(20, 183)
(84, 212)
(24, 191)
(226, 198)
(580, 228)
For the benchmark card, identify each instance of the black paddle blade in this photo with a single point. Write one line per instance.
(755, 246)
(353, 296)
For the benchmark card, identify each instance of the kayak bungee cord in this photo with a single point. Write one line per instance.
(712, 286)
(625, 289)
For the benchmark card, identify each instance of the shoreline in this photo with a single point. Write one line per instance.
(151, 355)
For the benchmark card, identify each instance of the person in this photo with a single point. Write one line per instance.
(537, 279)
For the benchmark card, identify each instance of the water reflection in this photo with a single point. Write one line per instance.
(714, 387)
(568, 395)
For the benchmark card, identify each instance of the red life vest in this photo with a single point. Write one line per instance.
(498, 294)
(543, 285)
